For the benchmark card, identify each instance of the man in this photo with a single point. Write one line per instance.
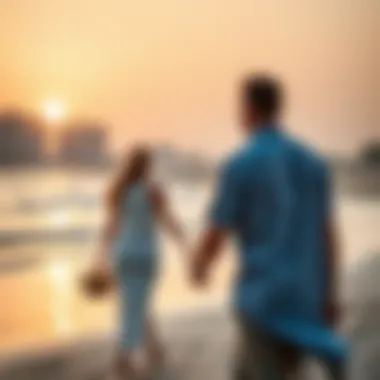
(273, 197)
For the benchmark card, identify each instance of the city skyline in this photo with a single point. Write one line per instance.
(27, 140)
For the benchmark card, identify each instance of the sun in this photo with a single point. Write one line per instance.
(54, 110)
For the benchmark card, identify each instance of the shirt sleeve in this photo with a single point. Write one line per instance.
(225, 204)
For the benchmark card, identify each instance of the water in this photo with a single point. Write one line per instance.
(48, 233)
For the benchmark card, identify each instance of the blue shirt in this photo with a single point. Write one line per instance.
(274, 196)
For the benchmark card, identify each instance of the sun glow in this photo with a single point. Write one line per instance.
(54, 111)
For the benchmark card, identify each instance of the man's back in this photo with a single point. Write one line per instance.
(280, 209)
(273, 196)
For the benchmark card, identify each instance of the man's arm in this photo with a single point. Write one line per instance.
(207, 251)
(223, 219)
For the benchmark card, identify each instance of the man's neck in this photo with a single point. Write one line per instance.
(265, 125)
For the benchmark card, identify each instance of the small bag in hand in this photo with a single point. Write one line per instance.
(97, 283)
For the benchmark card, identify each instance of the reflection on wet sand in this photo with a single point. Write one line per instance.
(46, 303)
(61, 286)
(43, 303)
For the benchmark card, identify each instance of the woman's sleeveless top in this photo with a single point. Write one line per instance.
(136, 243)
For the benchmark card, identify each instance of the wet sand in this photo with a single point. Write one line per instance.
(200, 347)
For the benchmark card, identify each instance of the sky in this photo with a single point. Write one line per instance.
(167, 71)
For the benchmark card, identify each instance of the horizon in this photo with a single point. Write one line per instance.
(58, 130)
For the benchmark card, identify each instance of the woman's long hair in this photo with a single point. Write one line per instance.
(134, 169)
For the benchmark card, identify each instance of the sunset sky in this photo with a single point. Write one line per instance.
(167, 70)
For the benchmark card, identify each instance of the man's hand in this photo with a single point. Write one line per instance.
(198, 274)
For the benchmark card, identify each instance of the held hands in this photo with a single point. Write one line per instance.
(198, 272)
(198, 277)
(205, 254)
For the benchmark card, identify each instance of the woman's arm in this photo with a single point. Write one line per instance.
(108, 233)
(166, 216)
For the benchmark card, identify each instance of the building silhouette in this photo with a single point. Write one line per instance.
(83, 144)
(21, 140)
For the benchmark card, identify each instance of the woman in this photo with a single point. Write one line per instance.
(135, 208)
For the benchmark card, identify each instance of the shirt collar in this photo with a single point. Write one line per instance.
(266, 130)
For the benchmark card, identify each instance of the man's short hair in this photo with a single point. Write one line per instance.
(263, 94)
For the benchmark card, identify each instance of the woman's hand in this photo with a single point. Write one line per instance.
(99, 279)
(102, 265)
